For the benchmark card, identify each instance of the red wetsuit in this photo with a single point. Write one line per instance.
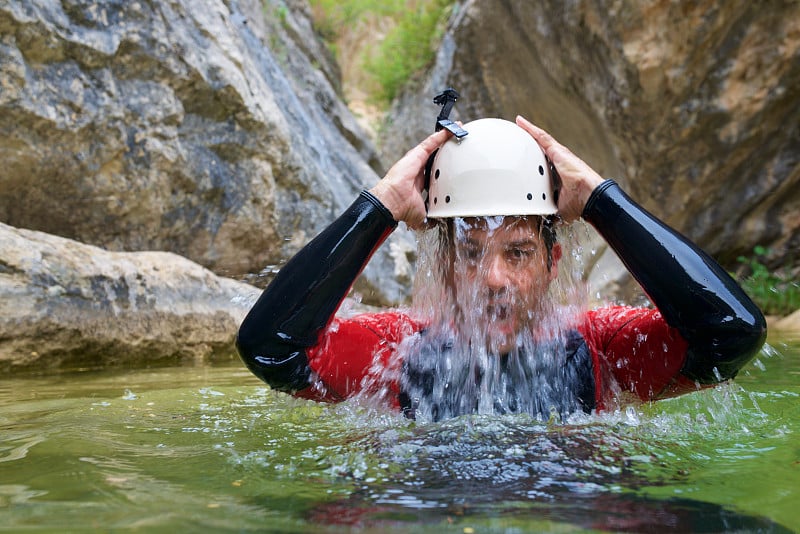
(703, 330)
(632, 350)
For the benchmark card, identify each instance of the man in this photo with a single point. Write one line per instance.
(493, 342)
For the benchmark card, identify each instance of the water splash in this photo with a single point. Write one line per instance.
(501, 305)
(517, 457)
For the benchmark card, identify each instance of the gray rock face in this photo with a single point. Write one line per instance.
(692, 107)
(63, 303)
(214, 129)
(211, 129)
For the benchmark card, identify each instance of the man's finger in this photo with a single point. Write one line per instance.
(545, 140)
(434, 141)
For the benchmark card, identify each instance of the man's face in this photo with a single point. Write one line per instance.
(501, 275)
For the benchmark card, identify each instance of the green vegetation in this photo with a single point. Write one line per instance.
(333, 17)
(274, 15)
(776, 293)
(416, 27)
(408, 48)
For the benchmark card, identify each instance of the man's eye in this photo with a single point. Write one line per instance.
(519, 254)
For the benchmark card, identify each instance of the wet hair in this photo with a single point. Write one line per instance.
(546, 227)
(547, 231)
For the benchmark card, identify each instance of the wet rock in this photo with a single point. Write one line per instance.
(692, 107)
(212, 129)
(788, 324)
(66, 304)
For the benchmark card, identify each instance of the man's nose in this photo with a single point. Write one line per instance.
(495, 273)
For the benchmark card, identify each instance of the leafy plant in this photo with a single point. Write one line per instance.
(415, 28)
(408, 48)
(332, 17)
(776, 293)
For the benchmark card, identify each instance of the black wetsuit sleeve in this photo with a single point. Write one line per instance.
(292, 311)
(724, 329)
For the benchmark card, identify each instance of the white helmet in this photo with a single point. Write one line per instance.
(498, 169)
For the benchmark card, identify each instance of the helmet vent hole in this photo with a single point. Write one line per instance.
(544, 196)
(436, 174)
(541, 170)
(447, 199)
(435, 200)
(530, 196)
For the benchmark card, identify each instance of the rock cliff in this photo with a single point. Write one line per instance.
(210, 129)
(215, 130)
(693, 106)
(66, 304)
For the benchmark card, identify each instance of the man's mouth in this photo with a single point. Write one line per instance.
(497, 312)
(500, 327)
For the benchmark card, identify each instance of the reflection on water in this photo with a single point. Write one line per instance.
(210, 449)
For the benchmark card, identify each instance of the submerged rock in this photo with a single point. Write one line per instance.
(66, 304)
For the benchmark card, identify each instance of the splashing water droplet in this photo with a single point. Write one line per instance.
(500, 311)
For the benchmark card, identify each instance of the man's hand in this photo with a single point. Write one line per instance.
(578, 179)
(401, 189)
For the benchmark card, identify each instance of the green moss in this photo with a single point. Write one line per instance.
(416, 27)
(332, 17)
(275, 15)
(775, 292)
(408, 48)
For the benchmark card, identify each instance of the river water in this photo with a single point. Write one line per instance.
(209, 448)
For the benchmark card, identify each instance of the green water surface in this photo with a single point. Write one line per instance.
(211, 449)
